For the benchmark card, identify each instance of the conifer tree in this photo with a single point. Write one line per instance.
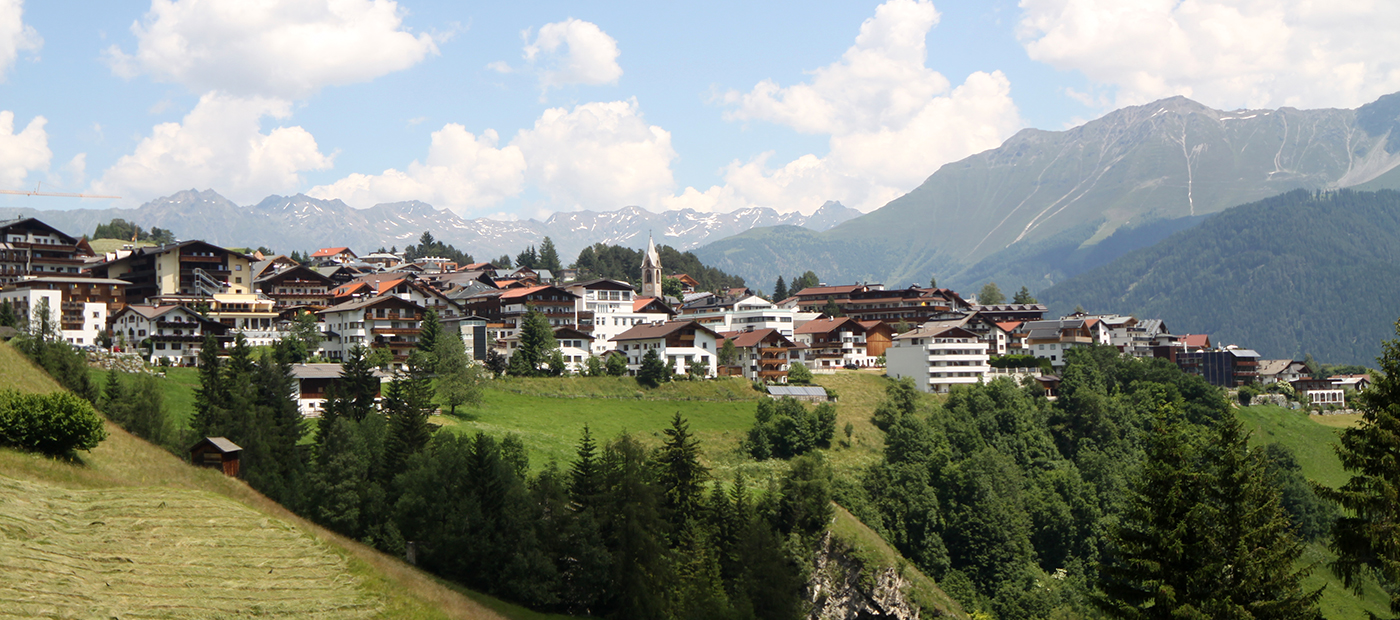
(679, 471)
(1023, 296)
(548, 257)
(429, 332)
(1251, 543)
(780, 290)
(1365, 539)
(584, 474)
(409, 403)
(210, 396)
(358, 384)
(1154, 570)
(616, 365)
(653, 371)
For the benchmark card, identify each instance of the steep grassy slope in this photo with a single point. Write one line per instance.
(1046, 196)
(1293, 274)
(1311, 442)
(131, 531)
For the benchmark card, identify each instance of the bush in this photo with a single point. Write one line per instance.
(55, 423)
(799, 374)
(785, 428)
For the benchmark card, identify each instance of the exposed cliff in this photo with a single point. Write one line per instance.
(857, 576)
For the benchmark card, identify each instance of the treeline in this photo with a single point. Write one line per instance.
(602, 260)
(429, 246)
(623, 532)
(121, 229)
(997, 488)
(1253, 275)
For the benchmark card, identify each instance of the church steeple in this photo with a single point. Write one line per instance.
(651, 271)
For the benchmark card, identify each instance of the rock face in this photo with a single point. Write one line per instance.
(841, 589)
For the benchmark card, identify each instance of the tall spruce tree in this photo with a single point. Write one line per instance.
(210, 406)
(429, 332)
(585, 475)
(410, 402)
(679, 471)
(548, 257)
(1365, 539)
(780, 290)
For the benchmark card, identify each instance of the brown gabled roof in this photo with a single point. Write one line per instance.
(874, 325)
(748, 339)
(365, 302)
(1009, 326)
(530, 290)
(934, 329)
(822, 326)
(827, 290)
(649, 331)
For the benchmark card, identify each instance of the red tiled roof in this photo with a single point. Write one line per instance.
(1009, 326)
(388, 285)
(325, 252)
(1197, 340)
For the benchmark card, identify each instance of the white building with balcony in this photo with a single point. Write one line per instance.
(615, 309)
(678, 343)
(832, 344)
(377, 322)
(938, 357)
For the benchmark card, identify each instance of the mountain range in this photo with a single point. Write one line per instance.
(1293, 274)
(1047, 205)
(287, 223)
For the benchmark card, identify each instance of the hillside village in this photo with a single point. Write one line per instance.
(161, 301)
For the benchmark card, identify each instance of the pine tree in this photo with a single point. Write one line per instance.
(536, 343)
(429, 332)
(1154, 570)
(831, 309)
(679, 471)
(653, 372)
(1251, 540)
(211, 395)
(7, 315)
(279, 419)
(780, 290)
(1023, 296)
(585, 477)
(409, 404)
(1365, 540)
(358, 384)
(548, 257)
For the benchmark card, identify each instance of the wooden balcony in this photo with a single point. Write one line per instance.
(390, 331)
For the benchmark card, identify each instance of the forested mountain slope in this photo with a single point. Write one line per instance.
(1035, 210)
(1297, 273)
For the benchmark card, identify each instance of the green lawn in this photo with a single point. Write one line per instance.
(179, 385)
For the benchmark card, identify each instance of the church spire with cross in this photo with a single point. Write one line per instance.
(651, 271)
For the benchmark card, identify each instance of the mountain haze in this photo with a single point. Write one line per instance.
(1289, 275)
(287, 223)
(1046, 205)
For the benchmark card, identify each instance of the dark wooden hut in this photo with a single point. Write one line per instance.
(216, 452)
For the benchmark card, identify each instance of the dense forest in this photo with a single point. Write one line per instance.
(601, 260)
(1299, 273)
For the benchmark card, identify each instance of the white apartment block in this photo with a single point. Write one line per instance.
(938, 357)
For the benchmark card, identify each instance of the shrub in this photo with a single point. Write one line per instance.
(785, 428)
(799, 374)
(55, 423)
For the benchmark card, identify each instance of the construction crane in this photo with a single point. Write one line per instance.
(36, 192)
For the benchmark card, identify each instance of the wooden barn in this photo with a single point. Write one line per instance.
(216, 452)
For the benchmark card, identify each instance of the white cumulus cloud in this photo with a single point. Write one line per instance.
(573, 52)
(24, 152)
(15, 35)
(598, 155)
(462, 172)
(219, 145)
(1223, 53)
(275, 48)
(891, 119)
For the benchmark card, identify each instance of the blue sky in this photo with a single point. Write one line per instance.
(521, 109)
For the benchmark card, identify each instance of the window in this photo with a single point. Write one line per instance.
(238, 268)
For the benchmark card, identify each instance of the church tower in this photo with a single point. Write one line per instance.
(651, 271)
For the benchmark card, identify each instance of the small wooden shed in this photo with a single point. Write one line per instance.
(216, 452)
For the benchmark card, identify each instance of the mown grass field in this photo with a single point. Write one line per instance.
(129, 530)
(1311, 439)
